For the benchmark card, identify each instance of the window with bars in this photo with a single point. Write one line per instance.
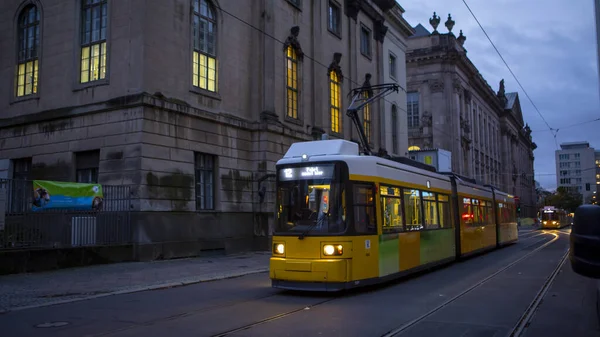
(94, 24)
(87, 165)
(335, 102)
(204, 60)
(19, 198)
(205, 168)
(412, 109)
(394, 129)
(28, 42)
(292, 82)
(367, 118)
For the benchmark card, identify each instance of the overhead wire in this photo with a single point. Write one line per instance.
(552, 130)
(359, 84)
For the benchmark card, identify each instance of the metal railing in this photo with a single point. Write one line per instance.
(23, 228)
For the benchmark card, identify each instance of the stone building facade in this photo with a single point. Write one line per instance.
(394, 71)
(190, 102)
(450, 106)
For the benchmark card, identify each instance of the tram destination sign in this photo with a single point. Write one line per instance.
(306, 172)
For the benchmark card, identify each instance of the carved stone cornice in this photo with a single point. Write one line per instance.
(352, 8)
(436, 86)
(335, 66)
(292, 40)
(380, 30)
(456, 85)
(467, 96)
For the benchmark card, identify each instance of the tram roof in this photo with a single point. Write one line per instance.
(347, 151)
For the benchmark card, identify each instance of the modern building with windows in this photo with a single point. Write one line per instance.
(190, 102)
(576, 169)
(450, 106)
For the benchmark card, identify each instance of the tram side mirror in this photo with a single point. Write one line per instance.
(585, 241)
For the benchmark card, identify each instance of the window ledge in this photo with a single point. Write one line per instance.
(204, 92)
(292, 120)
(88, 85)
(339, 36)
(16, 100)
(206, 211)
(367, 56)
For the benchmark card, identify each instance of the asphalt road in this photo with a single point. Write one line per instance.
(207, 309)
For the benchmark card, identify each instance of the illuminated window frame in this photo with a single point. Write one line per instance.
(335, 101)
(204, 54)
(28, 48)
(93, 30)
(291, 66)
(367, 118)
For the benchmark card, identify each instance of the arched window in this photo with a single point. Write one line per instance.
(413, 148)
(367, 117)
(292, 81)
(204, 60)
(394, 129)
(28, 48)
(94, 23)
(335, 101)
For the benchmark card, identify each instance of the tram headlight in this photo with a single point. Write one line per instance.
(332, 250)
(279, 248)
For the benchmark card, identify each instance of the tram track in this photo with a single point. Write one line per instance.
(522, 324)
(404, 327)
(317, 304)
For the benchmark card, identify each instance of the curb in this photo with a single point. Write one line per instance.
(141, 289)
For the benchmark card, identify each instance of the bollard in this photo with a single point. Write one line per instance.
(585, 241)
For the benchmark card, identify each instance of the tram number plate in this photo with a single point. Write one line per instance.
(367, 244)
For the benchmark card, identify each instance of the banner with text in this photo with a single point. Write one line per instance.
(66, 195)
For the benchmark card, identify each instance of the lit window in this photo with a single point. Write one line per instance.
(367, 118)
(94, 18)
(26, 81)
(292, 82)
(413, 148)
(335, 102)
(204, 62)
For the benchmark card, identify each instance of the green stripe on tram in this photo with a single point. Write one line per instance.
(389, 259)
(436, 245)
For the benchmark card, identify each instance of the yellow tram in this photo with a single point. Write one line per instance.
(346, 220)
(554, 218)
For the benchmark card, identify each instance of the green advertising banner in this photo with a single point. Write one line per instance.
(66, 195)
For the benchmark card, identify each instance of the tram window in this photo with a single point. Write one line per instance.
(467, 217)
(431, 211)
(412, 204)
(444, 210)
(364, 210)
(483, 214)
(391, 205)
(476, 212)
(489, 213)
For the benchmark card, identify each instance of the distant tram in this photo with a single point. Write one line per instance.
(554, 218)
(345, 220)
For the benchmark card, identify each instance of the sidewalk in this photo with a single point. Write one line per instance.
(24, 291)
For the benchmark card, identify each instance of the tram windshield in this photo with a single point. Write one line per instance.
(550, 215)
(311, 200)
